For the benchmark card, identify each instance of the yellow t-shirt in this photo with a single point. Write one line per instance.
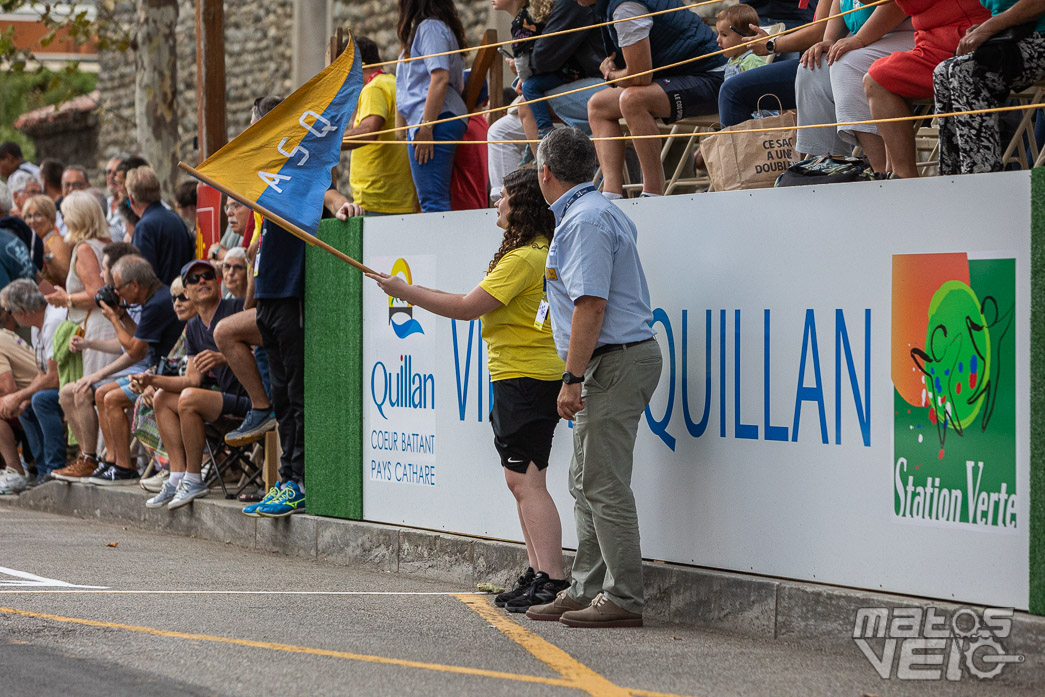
(516, 348)
(380, 174)
(17, 357)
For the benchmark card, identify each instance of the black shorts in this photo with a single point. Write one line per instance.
(234, 405)
(524, 415)
(691, 95)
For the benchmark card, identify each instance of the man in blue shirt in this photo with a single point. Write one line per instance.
(600, 314)
(160, 235)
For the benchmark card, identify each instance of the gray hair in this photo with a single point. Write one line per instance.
(80, 169)
(135, 268)
(6, 204)
(236, 253)
(99, 196)
(569, 154)
(18, 180)
(23, 296)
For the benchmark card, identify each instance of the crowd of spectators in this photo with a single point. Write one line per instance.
(871, 64)
(109, 366)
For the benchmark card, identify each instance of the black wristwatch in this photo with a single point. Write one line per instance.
(771, 45)
(569, 378)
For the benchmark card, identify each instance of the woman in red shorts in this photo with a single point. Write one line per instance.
(893, 81)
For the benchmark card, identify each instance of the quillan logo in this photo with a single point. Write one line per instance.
(400, 314)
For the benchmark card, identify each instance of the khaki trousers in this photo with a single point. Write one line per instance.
(617, 387)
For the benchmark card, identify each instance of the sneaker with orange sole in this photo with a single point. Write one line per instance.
(80, 469)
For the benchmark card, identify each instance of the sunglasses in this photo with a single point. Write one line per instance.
(180, 298)
(193, 279)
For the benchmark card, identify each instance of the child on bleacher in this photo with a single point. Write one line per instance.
(528, 21)
(733, 27)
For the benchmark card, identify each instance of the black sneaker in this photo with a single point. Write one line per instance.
(543, 590)
(115, 475)
(98, 471)
(521, 585)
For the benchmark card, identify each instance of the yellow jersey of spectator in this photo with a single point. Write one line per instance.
(516, 347)
(380, 174)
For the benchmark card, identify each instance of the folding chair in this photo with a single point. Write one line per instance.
(226, 460)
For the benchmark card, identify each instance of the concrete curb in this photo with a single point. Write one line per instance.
(816, 616)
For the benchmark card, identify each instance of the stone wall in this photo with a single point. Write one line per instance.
(258, 58)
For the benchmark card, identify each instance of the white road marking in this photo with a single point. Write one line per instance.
(215, 592)
(28, 579)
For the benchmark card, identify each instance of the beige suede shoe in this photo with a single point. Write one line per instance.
(549, 612)
(601, 613)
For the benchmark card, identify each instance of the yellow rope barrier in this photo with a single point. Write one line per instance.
(542, 36)
(665, 136)
(397, 129)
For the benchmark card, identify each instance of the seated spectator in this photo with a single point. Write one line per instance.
(51, 178)
(577, 53)
(116, 196)
(939, 25)
(379, 174)
(184, 404)
(11, 161)
(36, 405)
(17, 372)
(41, 216)
(185, 204)
(22, 185)
(832, 90)
(528, 20)
(88, 236)
(430, 90)
(143, 424)
(144, 343)
(733, 26)
(160, 234)
(971, 144)
(677, 93)
(738, 98)
(234, 270)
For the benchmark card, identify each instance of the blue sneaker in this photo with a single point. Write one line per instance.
(273, 494)
(256, 424)
(290, 500)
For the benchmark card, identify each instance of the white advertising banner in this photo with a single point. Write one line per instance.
(844, 396)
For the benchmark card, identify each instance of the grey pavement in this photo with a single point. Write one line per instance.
(385, 634)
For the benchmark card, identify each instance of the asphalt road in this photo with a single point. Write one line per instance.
(177, 616)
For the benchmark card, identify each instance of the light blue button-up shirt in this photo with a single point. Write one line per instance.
(413, 78)
(594, 253)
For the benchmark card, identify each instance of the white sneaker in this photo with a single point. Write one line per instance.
(161, 499)
(187, 491)
(12, 482)
(155, 483)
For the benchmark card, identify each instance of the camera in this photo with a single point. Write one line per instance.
(107, 294)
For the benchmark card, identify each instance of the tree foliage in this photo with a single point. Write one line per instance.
(32, 89)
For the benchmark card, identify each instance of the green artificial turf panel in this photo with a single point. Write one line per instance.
(333, 373)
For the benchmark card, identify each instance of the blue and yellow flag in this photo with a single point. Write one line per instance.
(283, 161)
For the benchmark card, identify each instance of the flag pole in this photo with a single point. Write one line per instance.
(286, 225)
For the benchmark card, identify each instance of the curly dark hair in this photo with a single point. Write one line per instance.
(413, 12)
(529, 216)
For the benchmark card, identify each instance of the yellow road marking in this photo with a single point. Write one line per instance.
(460, 670)
(579, 675)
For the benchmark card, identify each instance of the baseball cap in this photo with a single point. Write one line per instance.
(194, 263)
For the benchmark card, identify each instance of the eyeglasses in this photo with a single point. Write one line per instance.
(180, 298)
(234, 267)
(194, 278)
(32, 216)
(123, 285)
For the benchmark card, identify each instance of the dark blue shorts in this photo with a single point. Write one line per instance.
(691, 95)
